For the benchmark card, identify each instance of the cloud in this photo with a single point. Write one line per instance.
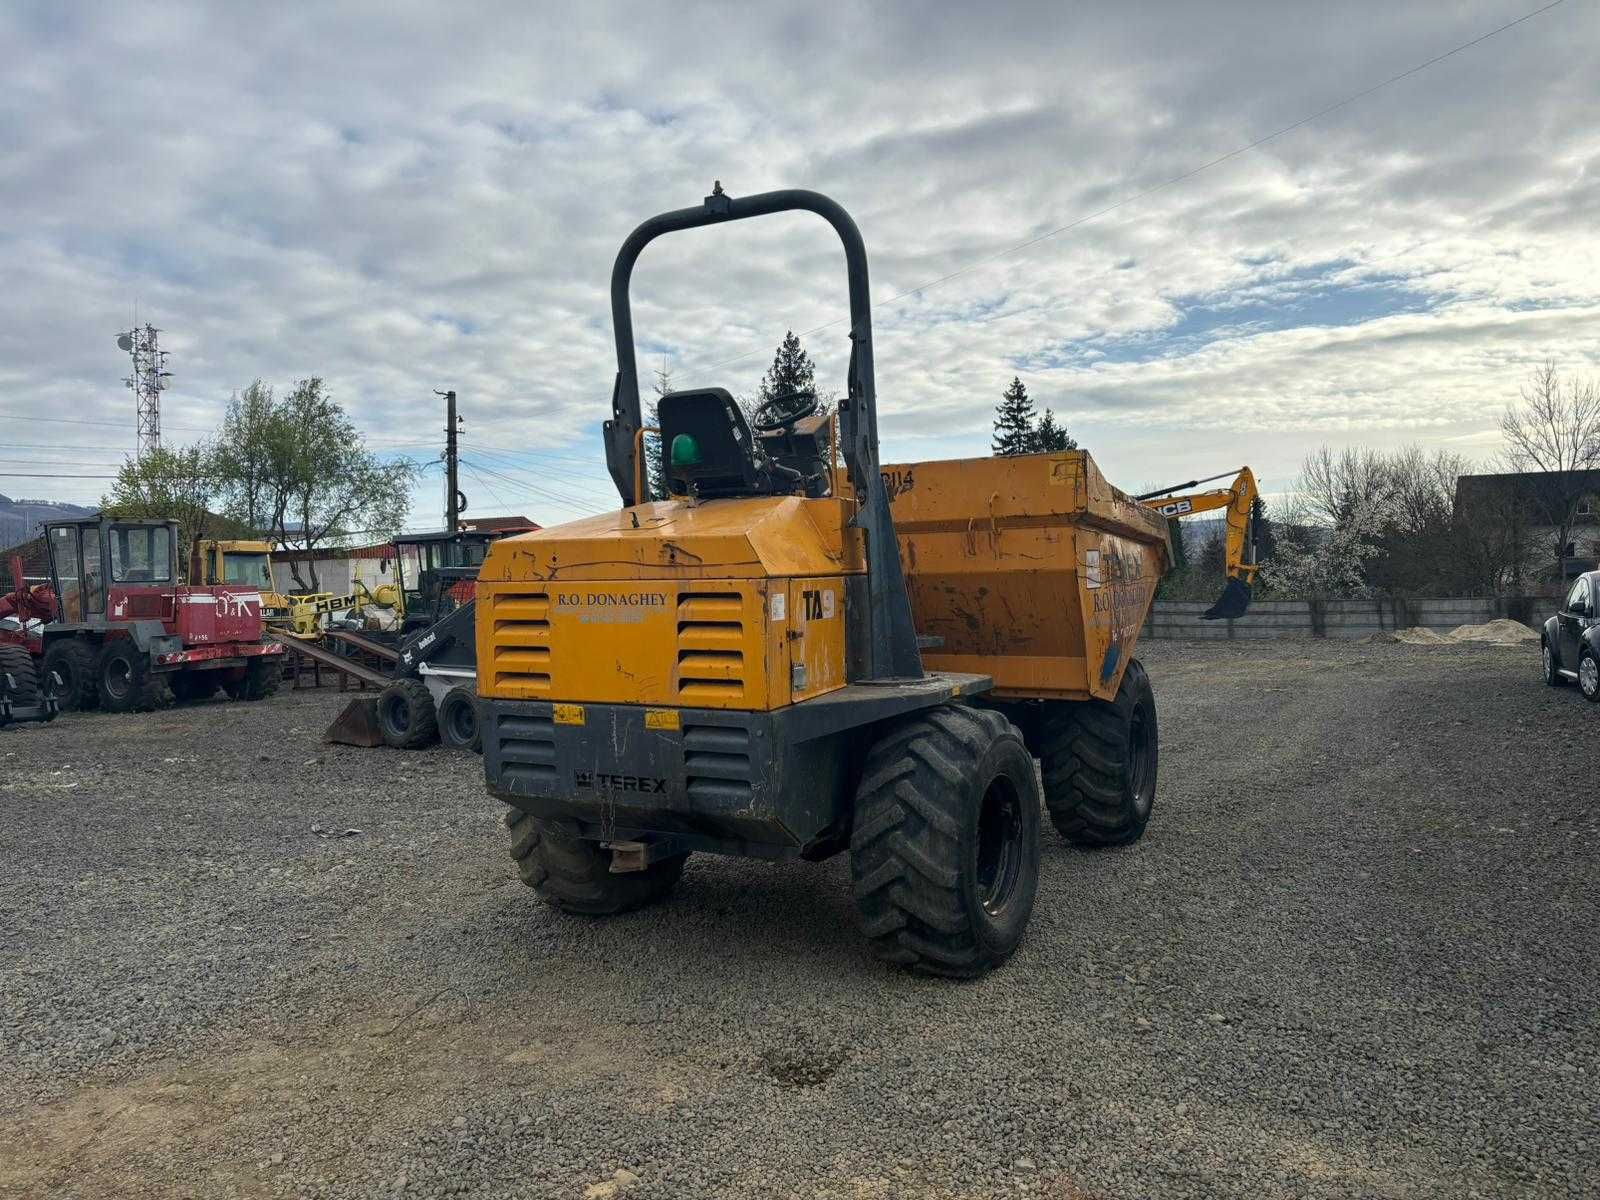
(400, 198)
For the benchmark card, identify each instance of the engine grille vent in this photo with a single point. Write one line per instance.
(527, 748)
(521, 654)
(716, 764)
(710, 647)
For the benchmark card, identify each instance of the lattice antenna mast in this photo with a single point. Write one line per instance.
(147, 382)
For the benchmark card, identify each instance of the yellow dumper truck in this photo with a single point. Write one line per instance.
(787, 661)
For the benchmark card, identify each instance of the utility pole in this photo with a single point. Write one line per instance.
(454, 502)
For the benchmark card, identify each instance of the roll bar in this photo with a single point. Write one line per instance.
(884, 642)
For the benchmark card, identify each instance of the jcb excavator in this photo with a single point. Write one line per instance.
(1240, 562)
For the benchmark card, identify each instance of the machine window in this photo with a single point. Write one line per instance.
(247, 568)
(94, 581)
(142, 554)
(64, 557)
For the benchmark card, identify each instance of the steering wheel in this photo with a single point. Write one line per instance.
(779, 412)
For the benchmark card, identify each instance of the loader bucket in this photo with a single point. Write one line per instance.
(357, 725)
(1232, 603)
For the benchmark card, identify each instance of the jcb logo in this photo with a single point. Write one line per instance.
(1176, 509)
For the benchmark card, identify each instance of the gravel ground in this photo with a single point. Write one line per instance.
(1354, 956)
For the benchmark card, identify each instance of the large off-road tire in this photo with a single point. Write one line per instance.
(191, 686)
(71, 661)
(575, 875)
(1098, 759)
(405, 715)
(1589, 675)
(944, 853)
(124, 680)
(17, 663)
(458, 720)
(259, 681)
(1552, 676)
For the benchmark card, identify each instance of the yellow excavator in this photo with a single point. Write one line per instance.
(1239, 499)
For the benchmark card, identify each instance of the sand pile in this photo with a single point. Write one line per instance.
(1500, 632)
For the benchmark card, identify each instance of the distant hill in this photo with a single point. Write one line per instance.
(22, 519)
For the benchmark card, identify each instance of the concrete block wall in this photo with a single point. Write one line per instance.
(1279, 619)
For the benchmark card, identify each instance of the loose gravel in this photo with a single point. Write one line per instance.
(1355, 955)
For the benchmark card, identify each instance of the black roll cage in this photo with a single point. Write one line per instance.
(882, 639)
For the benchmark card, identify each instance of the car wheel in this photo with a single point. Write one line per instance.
(1589, 675)
(1552, 675)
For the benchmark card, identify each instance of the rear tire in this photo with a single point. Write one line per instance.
(405, 715)
(72, 661)
(944, 853)
(189, 687)
(1589, 675)
(458, 720)
(16, 662)
(575, 876)
(1552, 676)
(259, 681)
(124, 679)
(1098, 759)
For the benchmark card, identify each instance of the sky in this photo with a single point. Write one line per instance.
(401, 198)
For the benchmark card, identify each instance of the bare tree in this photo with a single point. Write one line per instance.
(1334, 485)
(1555, 431)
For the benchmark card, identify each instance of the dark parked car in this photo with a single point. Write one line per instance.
(1572, 639)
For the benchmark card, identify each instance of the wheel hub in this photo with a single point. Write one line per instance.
(1588, 675)
(999, 846)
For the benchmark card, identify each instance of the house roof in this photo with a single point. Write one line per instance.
(499, 524)
(1544, 494)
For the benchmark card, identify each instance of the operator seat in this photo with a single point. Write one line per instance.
(727, 460)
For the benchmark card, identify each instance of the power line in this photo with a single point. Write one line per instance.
(30, 418)
(39, 475)
(1166, 183)
(530, 489)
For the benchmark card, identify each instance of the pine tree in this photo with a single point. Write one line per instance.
(655, 473)
(1180, 550)
(791, 371)
(1013, 421)
(1266, 536)
(1213, 560)
(1050, 436)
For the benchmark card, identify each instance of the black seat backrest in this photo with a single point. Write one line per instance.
(729, 462)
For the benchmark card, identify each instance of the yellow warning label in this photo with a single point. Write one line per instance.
(662, 718)
(569, 714)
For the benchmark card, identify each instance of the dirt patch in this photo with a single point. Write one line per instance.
(802, 1065)
(267, 1115)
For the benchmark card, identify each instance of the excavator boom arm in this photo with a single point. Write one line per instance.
(1239, 561)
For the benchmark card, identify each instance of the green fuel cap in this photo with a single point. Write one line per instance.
(685, 451)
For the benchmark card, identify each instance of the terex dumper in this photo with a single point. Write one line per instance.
(778, 661)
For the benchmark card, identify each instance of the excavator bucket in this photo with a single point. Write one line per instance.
(1232, 603)
(357, 725)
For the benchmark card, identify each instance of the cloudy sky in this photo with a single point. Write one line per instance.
(402, 198)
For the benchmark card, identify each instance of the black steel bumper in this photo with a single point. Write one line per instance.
(730, 781)
(774, 784)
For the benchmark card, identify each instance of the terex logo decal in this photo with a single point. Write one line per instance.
(600, 781)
